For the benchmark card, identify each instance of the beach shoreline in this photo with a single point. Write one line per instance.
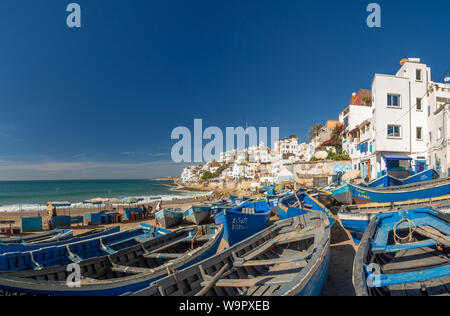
(198, 193)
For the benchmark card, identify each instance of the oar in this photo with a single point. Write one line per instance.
(434, 234)
(213, 281)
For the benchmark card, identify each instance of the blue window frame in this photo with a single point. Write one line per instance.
(393, 100)
(394, 131)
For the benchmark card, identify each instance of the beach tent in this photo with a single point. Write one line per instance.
(285, 176)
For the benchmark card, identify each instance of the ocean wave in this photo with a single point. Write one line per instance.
(146, 199)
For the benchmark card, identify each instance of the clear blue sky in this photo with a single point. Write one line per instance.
(101, 101)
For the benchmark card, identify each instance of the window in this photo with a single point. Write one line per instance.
(431, 136)
(393, 100)
(394, 131)
(439, 136)
(419, 133)
(441, 102)
(418, 75)
(419, 104)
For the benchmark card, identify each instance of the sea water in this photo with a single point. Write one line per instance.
(33, 195)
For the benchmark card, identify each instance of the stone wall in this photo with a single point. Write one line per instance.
(305, 172)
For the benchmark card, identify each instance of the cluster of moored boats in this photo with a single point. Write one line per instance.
(403, 232)
(278, 245)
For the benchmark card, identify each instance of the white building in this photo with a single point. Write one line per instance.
(259, 153)
(438, 141)
(399, 120)
(286, 146)
(393, 134)
(191, 173)
(357, 119)
(228, 156)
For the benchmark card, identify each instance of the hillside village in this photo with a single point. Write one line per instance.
(400, 126)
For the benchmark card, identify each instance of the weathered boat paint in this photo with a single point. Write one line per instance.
(309, 204)
(414, 267)
(239, 225)
(37, 282)
(305, 273)
(197, 214)
(28, 246)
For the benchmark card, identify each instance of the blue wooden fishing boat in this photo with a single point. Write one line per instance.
(426, 175)
(300, 203)
(341, 194)
(404, 253)
(290, 258)
(44, 243)
(384, 181)
(127, 270)
(420, 190)
(197, 214)
(77, 251)
(236, 200)
(169, 217)
(243, 221)
(50, 236)
(389, 180)
(356, 218)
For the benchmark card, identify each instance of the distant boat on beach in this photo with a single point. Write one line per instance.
(169, 217)
(197, 214)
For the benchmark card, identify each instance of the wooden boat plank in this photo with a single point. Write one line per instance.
(434, 234)
(160, 255)
(125, 269)
(271, 289)
(176, 241)
(413, 289)
(435, 287)
(251, 291)
(268, 262)
(413, 259)
(262, 280)
(264, 247)
(212, 281)
(397, 290)
(261, 290)
(446, 282)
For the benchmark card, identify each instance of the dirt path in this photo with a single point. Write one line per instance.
(339, 281)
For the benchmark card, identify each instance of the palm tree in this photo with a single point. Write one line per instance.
(314, 131)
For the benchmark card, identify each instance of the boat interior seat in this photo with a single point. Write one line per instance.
(120, 242)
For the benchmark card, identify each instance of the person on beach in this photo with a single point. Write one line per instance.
(144, 211)
(158, 207)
